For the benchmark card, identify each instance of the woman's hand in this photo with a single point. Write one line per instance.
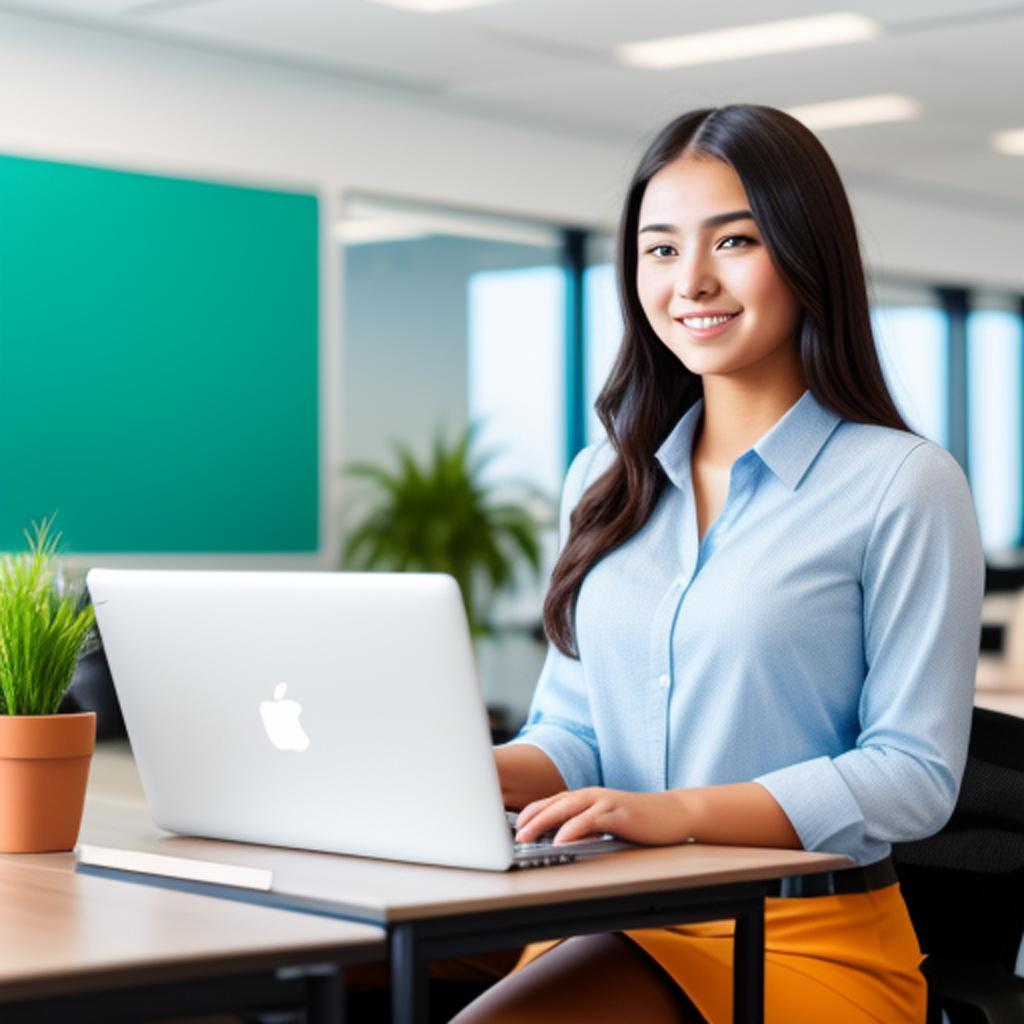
(734, 814)
(655, 819)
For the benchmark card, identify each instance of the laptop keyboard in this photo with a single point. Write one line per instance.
(546, 839)
(539, 853)
(542, 851)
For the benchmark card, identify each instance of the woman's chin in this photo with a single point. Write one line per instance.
(705, 363)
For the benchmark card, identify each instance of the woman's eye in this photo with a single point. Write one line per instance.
(661, 250)
(742, 240)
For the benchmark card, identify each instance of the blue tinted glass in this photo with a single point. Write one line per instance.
(517, 372)
(603, 321)
(994, 341)
(914, 355)
(406, 335)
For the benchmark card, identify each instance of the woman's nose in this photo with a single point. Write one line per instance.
(695, 279)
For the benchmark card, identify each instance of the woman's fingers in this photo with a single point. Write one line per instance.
(530, 811)
(551, 813)
(650, 818)
(583, 826)
(593, 820)
(544, 815)
(545, 819)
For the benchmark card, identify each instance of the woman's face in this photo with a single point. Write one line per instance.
(704, 276)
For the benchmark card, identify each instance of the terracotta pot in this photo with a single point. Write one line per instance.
(44, 768)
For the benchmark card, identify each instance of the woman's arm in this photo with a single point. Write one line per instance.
(922, 580)
(526, 774)
(738, 814)
(557, 747)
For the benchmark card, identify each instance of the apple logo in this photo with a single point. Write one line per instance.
(281, 720)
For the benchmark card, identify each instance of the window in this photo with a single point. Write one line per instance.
(912, 337)
(517, 372)
(451, 317)
(602, 324)
(994, 376)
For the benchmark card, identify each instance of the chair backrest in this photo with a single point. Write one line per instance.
(964, 886)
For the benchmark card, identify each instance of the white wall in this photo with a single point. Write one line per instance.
(73, 92)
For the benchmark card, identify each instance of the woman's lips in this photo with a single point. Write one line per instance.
(706, 332)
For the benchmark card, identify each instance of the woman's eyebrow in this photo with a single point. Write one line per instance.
(711, 222)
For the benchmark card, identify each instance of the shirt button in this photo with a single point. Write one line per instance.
(663, 681)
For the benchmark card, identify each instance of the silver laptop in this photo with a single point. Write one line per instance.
(324, 711)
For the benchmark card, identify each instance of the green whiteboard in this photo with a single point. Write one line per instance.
(159, 352)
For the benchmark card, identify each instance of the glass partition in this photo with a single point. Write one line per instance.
(602, 324)
(995, 371)
(449, 317)
(912, 335)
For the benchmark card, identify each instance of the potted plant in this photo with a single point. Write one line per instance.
(440, 517)
(44, 756)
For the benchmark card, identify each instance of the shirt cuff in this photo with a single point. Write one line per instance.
(819, 804)
(574, 758)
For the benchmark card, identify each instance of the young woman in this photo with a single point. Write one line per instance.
(764, 619)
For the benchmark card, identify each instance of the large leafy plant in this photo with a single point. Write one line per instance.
(43, 627)
(441, 517)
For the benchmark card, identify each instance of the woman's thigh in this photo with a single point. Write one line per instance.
(850, 959)
(600, 979)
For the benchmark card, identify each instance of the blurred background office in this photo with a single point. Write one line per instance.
(454, 169)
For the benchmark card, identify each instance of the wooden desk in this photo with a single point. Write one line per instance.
(433, 912)
(78, 948)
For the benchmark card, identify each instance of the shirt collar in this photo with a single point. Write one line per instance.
(788, 449)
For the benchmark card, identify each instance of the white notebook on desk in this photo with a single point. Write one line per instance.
(323, 711)
(189, 869)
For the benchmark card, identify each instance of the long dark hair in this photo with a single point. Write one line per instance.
(801, 209)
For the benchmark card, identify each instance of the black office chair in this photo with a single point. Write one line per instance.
(965, 886)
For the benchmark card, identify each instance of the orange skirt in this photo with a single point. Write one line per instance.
(848, 959)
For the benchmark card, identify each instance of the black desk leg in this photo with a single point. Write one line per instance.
(325, 998)
(409, 978)
(748, 965)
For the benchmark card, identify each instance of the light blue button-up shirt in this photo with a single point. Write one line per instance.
(821, 640)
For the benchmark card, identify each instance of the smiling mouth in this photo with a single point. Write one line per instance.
(705, 322)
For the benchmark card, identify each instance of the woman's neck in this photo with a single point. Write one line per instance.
(737, 414)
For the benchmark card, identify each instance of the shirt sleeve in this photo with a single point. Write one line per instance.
(922, 581)
(559, 722)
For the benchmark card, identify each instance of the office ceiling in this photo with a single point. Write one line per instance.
(552, 62)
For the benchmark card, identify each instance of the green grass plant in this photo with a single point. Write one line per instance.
(43, 627)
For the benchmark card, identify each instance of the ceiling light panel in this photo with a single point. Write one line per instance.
(1010, 143)
(749, 41)
(74, 8)
(859, 110)
(434, 6)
